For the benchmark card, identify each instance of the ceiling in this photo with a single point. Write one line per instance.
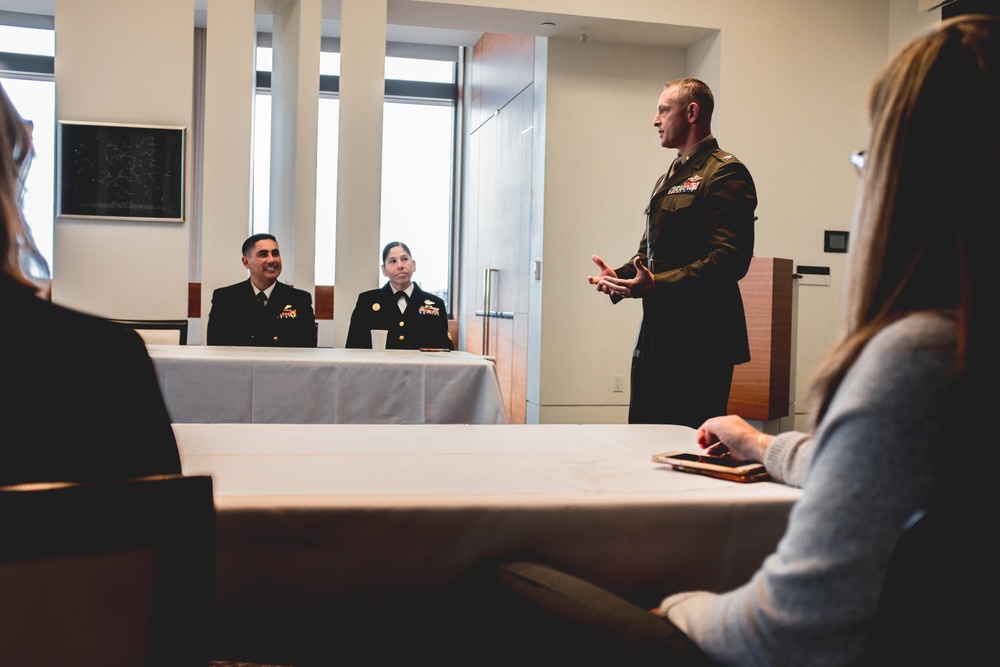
(459, 25)
(470, 22)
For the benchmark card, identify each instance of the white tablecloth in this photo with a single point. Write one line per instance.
(310, 515)
(214, 384)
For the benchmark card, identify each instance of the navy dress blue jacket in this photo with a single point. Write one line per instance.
(423, 324)
(237, 318)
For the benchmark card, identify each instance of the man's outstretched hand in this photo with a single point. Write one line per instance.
(622, 288)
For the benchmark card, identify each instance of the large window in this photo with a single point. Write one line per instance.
(27, 76)
(417, 163)
(417, 186)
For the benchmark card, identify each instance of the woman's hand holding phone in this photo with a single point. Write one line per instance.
(732, 436)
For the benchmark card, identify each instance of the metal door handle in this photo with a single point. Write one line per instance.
(487, 296)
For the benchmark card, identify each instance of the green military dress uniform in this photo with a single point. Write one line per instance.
(698, 244)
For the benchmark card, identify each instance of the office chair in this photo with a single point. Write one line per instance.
(116, 573)
(936, 605)
(159, 332)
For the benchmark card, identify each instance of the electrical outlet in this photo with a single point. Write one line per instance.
(619, 384)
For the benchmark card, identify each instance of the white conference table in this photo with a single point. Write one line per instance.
(315, 519)
(218, 384)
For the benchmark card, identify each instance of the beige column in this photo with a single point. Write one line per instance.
(294, 118)
(359, 187)
(230, 82)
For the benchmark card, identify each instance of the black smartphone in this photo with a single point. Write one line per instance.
(721, 467)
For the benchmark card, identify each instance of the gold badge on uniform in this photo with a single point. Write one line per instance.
(375, 306)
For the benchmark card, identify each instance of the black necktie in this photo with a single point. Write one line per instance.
(262, 298)
(405, 300)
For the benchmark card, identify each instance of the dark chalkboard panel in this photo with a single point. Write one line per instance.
(121, 171)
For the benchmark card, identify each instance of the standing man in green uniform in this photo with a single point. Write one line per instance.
(697, 245)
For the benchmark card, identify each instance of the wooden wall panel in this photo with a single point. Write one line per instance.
(497, 224)
(324, 302)
(194, 300)
(761, 387)
(502, 66)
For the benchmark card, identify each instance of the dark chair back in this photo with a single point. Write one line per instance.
(107, 573)
(936, 602)
(159, 332)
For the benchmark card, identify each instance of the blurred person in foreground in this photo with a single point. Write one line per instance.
(83, 402)
(414, 318)
(896, 461)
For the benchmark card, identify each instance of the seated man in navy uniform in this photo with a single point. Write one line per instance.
(260, 310)
(414, 318)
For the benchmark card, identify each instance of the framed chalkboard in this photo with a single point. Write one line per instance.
(131, 172)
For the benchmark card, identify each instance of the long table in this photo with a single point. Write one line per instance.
(326, 528)
(217, 384)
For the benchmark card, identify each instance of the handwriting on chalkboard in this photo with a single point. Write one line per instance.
(121, 171)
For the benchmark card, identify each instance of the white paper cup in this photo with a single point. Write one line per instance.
(378, 338)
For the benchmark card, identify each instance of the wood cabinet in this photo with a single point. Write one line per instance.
(762, 387)
(498, 206)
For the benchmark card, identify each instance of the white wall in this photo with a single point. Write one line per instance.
(602, 159)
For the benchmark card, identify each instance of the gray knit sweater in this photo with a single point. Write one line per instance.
(864, 476)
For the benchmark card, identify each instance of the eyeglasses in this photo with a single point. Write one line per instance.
(858, 160)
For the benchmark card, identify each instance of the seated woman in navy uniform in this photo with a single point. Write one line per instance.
(414, 318)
